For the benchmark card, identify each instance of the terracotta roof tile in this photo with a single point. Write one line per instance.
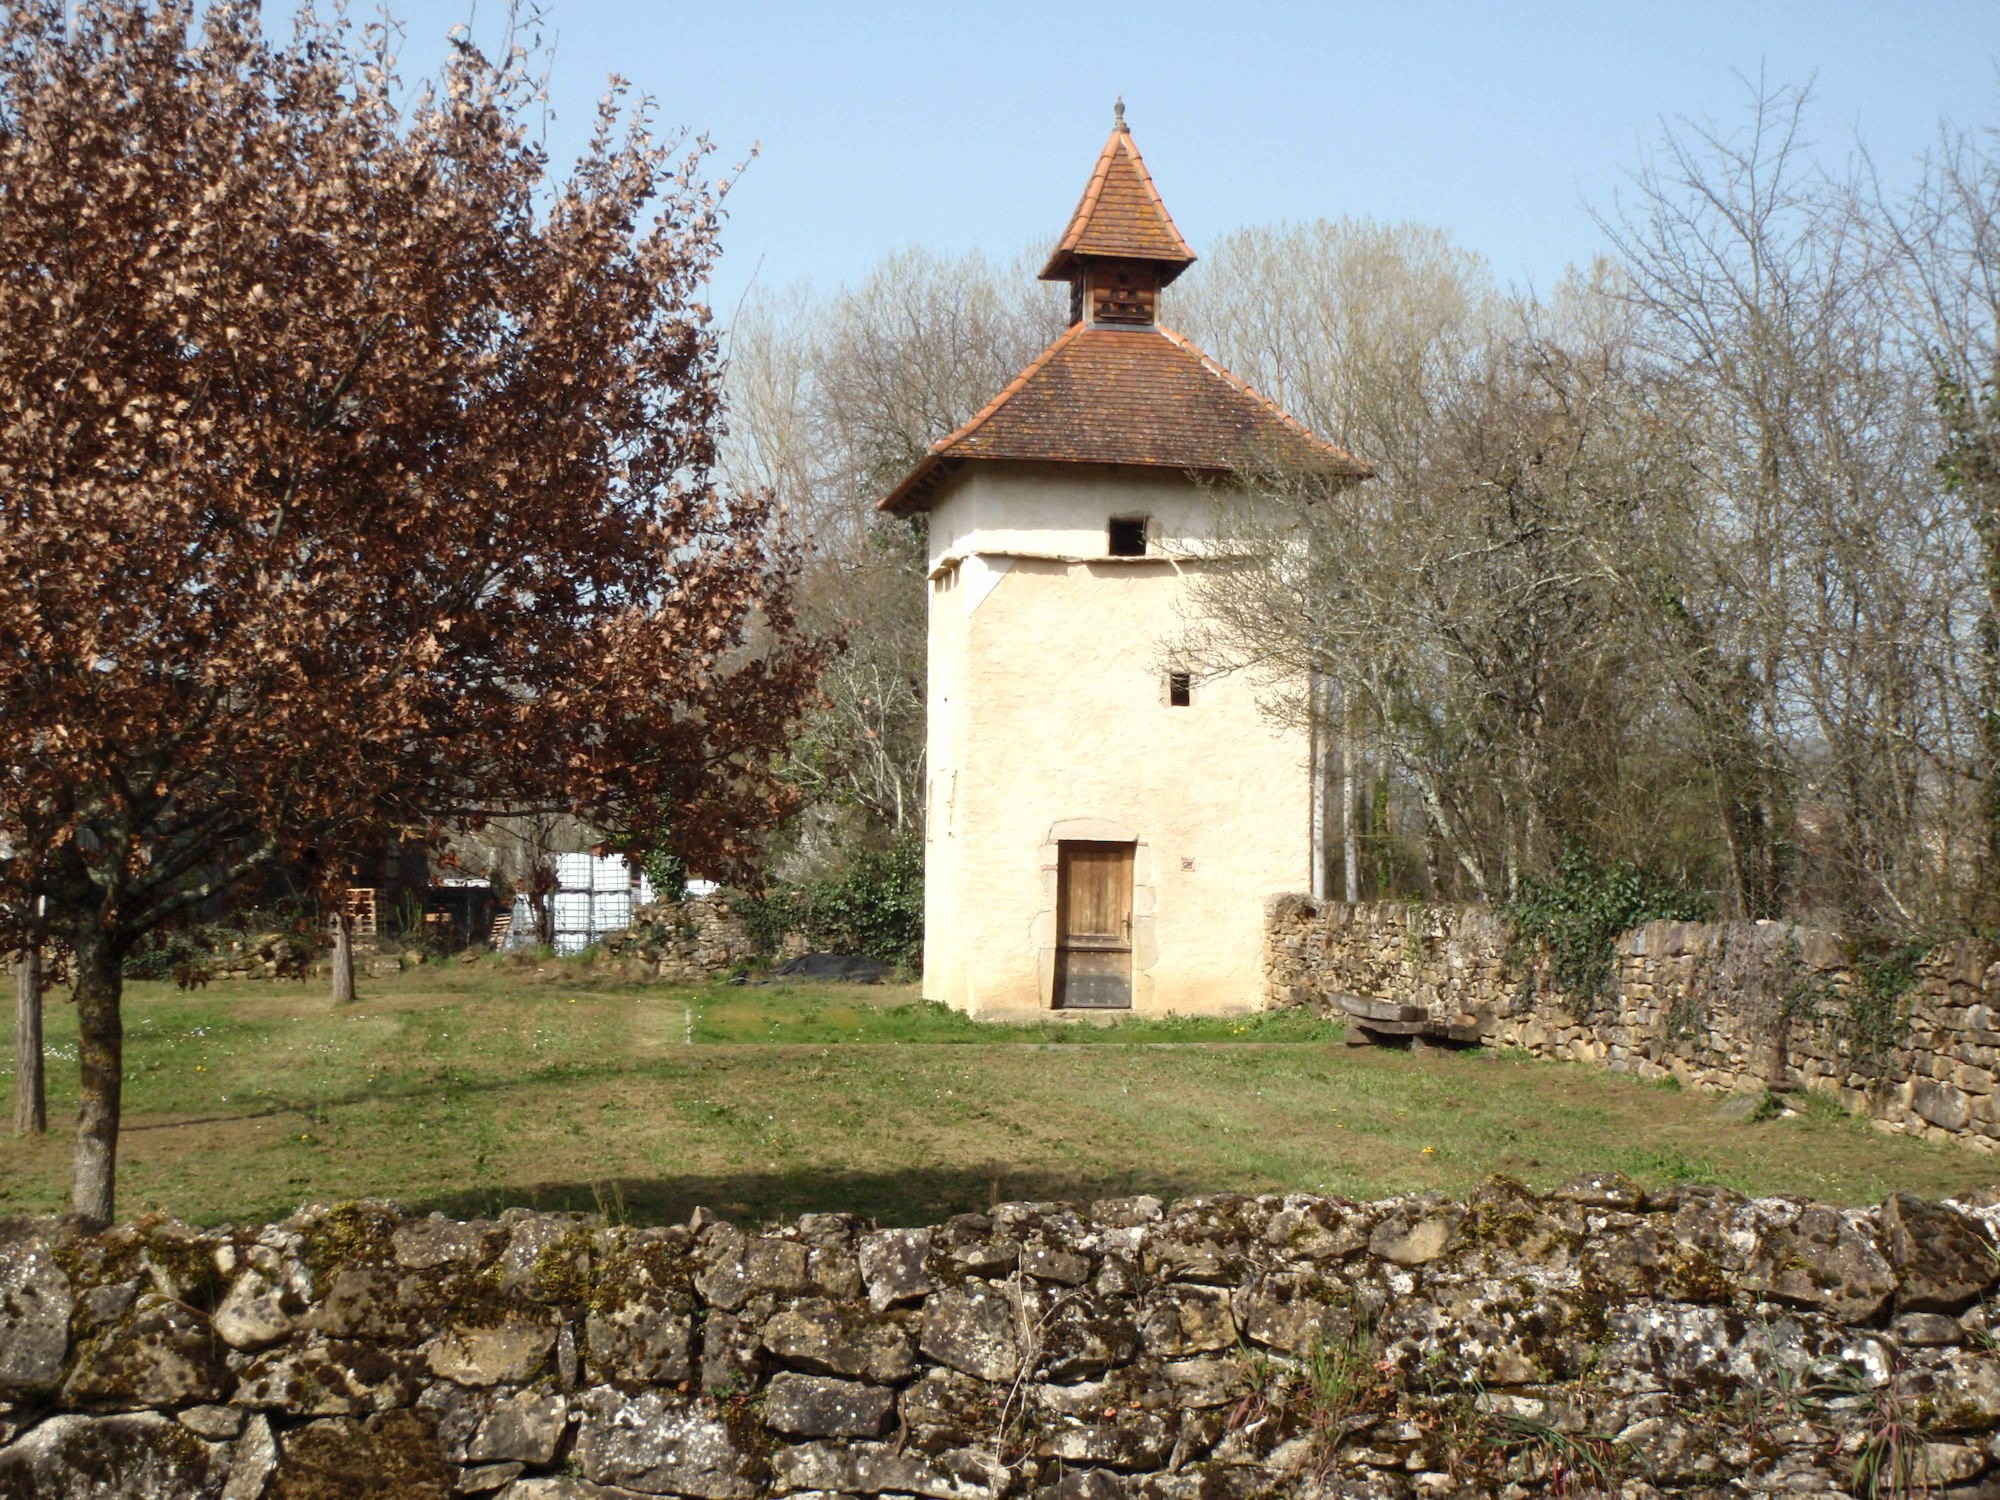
(1121, 214)
(1143, 396)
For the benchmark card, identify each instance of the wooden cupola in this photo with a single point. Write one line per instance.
(1121, 246)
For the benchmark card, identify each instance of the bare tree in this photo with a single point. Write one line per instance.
(1942, 244)
(834, 399)
(1800, 597)
(1691, 560)
(1355, 327)
(1462, 601)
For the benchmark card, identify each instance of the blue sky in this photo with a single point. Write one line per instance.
(975, 126)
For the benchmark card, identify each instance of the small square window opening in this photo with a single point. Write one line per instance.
(1128, 536)
(1180, 689)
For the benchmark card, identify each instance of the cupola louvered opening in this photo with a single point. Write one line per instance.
(1126, 293)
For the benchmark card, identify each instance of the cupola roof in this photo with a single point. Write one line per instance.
(1121, 216)
(1141, 396)
(1124, 391)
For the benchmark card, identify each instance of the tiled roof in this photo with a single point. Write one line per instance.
(1143, 396)
(1120, 215)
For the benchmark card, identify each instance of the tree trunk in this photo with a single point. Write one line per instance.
(1427, 789)
(1988, 529)
(100, 983)
(31, 1106)
(1350, 840)
(1320, 731)
(343, 957)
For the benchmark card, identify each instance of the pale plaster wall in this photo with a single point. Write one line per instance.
(1061, 510)
(1049, 720)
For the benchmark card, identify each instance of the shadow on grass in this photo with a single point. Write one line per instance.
(893, 1199)
(447, 1084)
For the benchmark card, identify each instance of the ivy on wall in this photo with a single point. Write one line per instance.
(1577, 915)
(874, 905)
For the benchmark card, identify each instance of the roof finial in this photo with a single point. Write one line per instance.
(1118, 110)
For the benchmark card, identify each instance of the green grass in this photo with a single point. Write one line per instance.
(470, 1089)
(853, 1014)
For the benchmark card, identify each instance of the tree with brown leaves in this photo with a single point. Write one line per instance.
(354, 481)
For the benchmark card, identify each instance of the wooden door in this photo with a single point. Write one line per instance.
(1094, 915)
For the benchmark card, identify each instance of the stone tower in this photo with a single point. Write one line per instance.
(1103, 826)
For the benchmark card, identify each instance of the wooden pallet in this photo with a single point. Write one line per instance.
(361, 910)
(502, 926)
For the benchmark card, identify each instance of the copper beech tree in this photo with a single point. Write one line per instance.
(354, 481)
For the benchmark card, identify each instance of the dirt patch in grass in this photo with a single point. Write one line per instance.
(469, 1090)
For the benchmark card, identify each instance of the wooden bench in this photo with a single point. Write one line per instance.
(1391, 1023)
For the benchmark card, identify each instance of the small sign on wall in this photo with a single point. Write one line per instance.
(1187, 864)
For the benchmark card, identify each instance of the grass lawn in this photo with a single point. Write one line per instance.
(469, 1089)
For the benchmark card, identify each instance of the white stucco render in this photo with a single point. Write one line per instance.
(1049, 720)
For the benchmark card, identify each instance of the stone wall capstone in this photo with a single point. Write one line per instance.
(1741, 1006)
(1597, 1339)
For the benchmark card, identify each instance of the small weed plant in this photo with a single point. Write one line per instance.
(1568, 1463)
(1416, 931)
(1337, 1388)
(1485, 1450)
(1891, 1458)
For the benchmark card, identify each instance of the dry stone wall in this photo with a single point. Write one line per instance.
(1743, 1006)
(703, 937)
(1595, 1340)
